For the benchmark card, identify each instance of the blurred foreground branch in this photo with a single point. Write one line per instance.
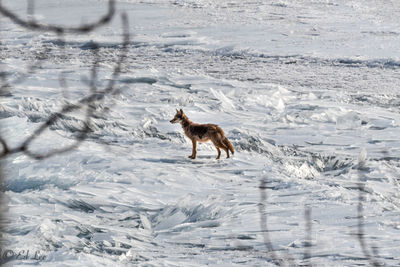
(88, 103)
(33, 25)
(91, 104)
(370, 253)
(281, 260)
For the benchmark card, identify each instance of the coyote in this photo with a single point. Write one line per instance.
(203, 133)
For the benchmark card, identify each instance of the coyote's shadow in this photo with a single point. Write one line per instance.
(200, 160)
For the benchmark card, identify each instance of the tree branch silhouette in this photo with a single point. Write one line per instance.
(264, 224)
(308, 236)
(369, 252)
(283, 260)
(90, 102)
(33, 25)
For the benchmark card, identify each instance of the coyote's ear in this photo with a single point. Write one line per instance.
(181, 111)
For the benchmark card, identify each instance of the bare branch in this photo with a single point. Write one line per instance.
(90, 102)
(308, 237)
(33, 25)
(5, 149)
(264, 224)
(360, 214)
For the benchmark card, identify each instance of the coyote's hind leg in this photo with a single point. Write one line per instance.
(227, 151)
(219, 152)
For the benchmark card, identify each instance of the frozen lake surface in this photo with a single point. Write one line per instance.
(301, 88)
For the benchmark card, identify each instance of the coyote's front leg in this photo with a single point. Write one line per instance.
(194, 151)
(219, 152)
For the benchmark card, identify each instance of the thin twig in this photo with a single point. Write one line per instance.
(85, 28)
(264, 223)
(308, 237)
(360, 215)
(90, 101)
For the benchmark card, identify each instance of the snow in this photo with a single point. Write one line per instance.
(304, 90)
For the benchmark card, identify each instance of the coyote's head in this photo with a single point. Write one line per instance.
(178, 116)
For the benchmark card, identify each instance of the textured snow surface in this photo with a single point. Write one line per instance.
(301, 89)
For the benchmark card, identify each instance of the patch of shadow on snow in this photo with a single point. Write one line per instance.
(309, 165)
(22, 184)
(77, 204)
(252, 143)
(89, 45)
(152, 132)
(147, 80)
(294, 160)
(177, 219)
(379, 100)
(184, 160)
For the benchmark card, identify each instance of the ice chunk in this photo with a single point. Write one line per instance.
(226, 103)
(348, 121)
(362, 157)
(169, 222)
(145, 222)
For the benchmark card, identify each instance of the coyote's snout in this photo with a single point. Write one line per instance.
(203, 133)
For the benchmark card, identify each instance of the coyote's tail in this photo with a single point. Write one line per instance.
(229, 145)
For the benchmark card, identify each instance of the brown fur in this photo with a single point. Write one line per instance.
(203, 133)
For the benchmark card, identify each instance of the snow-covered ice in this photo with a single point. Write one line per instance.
(302, 89)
